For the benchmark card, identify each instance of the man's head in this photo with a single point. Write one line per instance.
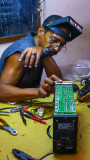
(56, 31)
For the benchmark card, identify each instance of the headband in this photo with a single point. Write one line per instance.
(60, 33)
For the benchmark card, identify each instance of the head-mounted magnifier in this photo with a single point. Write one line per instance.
(68, 22)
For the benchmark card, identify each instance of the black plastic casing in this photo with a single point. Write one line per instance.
(65, 133)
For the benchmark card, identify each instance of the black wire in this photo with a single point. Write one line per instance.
(4, 112)
(48, 133)
(6, 108)
(26, 103)
(46, 155)
(16, 107)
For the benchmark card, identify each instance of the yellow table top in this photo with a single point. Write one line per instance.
(33, 139)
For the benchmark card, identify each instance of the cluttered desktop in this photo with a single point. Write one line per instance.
(43, 129)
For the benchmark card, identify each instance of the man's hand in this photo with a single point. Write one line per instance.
(47, 87)
(32, 56)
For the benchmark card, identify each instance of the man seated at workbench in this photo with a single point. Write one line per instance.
(22, 63)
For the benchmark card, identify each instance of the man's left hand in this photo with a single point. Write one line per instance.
(32, 56)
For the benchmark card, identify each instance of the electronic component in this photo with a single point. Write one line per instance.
(64, 98)
(40, 111)
(65, 119)
(84, 93)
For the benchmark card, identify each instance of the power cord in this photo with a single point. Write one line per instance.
(48, 132)
(46, 155)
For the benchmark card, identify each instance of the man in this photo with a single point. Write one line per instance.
(22, 63)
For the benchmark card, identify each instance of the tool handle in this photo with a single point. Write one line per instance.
(28, 112)
(1, 126)
(26, 115)
(3, 121)
(39, 120)
(23, 119)
(31, 158)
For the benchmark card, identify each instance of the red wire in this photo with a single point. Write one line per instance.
(39, 117)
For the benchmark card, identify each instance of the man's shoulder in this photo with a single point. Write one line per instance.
(24, 42)
(20, 45)
(28, 38)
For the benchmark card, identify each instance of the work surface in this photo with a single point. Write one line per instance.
(33, 139)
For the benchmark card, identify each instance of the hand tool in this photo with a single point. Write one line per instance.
(1, 110)
(22, 155)
(7, 127)
(34, 118)
(13, 109)
(22, 116)
(17, 109)
(28, 112)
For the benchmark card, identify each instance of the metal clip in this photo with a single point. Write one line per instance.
(11, 130)
(17, 109)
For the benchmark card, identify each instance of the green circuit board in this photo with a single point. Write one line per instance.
(64, 98)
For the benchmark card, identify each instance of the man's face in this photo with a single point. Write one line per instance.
(52, 40)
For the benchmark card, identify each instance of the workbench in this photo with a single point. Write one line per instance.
(33, 139)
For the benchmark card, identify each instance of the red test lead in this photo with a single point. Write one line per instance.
(31, 116)
(39, 120)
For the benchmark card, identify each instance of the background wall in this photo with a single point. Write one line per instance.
(3, 47)
(79, 48)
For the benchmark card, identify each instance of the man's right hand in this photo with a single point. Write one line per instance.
(47, 87)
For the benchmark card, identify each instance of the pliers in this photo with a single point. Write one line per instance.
(22, 155)
(7, 127)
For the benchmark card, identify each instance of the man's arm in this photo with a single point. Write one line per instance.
(9, 93)
(48, 62)
(10, 77)
(51, 67)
